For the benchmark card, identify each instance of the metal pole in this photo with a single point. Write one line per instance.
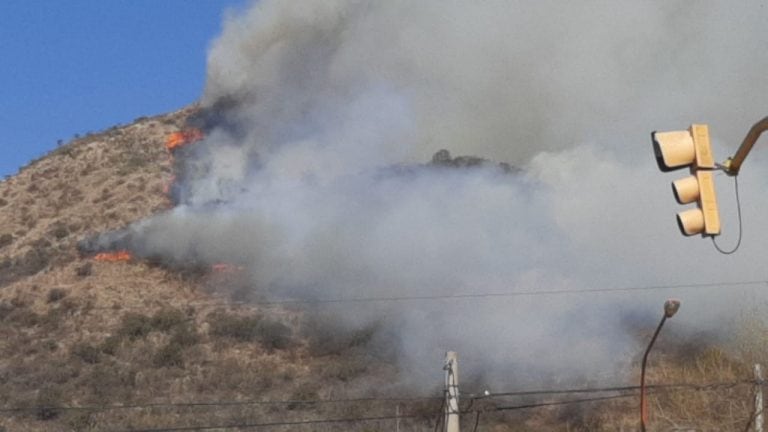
(451, 392)
(643, 402)
(758, 398)
(397, 417)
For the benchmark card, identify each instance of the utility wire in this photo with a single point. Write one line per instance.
(738, 211)
(565, 402)
(363, 419)
(463, 296)
(692, 386)
(271, 424)
(401, 416)
(473, 397)
(214, 404)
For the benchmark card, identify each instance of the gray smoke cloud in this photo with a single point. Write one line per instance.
(320, 191)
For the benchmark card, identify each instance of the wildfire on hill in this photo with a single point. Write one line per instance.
(124, 255)
(121, 255)
(174, 142)
(182, 138)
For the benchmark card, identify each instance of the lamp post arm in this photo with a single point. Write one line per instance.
(733, 164)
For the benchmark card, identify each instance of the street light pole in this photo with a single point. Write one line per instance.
(670, 308)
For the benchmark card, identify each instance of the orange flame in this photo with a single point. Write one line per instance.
(182, 138)
(122, 255)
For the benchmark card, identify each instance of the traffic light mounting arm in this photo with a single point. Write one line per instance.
(732, 165)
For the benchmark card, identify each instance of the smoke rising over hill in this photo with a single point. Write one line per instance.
(314, 180)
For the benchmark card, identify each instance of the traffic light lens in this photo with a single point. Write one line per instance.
(673, 150)
(686, 189)
(691, 222)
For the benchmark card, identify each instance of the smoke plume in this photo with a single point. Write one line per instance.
(316, 179)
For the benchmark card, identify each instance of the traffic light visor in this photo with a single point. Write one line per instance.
(686, 189)
(673, 150)
(691, 222)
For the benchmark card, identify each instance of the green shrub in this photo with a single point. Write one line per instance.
(347, 367)
(135, 326)
(80, 421)
(56, 294)
(166, 319)
(170, 355)
(244, 329)
(50, 345)
(59, 231)
(86, 353)
(185, 336)
(135, 160)
(46, 404)
(271, 334)
(275, 335)
(110, 345)
(304, 392)
(32, 262)
(20, 316)
(5, 240)
(84, 270)
(55, 315)
(105, 382)
(327, 336)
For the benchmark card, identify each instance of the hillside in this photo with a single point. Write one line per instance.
(79, 332)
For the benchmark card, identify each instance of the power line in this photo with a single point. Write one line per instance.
(478, 411)
(692, 386)
(379, 418)
(275, 424)
(705, 386)
(390, 417)
(216, 404)
(565, 402)
(461, 296)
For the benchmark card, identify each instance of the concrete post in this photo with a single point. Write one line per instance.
(451, 392)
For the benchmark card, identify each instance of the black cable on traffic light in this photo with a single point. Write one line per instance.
(738, 211)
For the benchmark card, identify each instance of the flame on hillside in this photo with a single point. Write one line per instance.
(124, 255)
(175, 141)
(182, 138)
(121, 255)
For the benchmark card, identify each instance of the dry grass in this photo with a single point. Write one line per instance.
(79, 332)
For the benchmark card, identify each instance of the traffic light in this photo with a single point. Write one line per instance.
(691, 148)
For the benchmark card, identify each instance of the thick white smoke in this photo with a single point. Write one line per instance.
(339, 101)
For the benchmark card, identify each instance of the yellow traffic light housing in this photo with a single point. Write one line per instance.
(691, 148)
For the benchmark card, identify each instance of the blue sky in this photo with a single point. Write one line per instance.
(70, 67)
